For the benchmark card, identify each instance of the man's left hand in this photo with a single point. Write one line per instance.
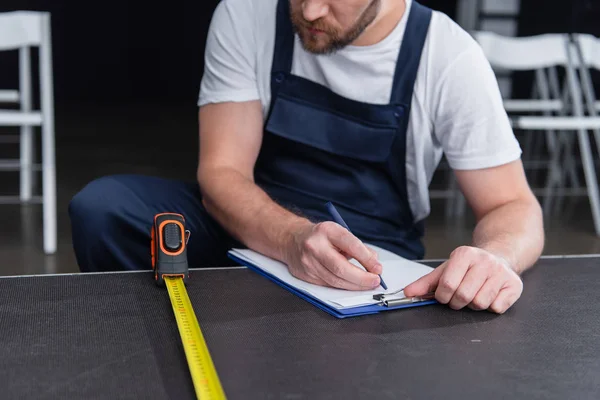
(471, 277)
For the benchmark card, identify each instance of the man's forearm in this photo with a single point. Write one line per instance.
(247, 212)
(514, 232)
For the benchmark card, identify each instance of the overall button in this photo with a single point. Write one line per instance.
(399, 112)
(279, 77)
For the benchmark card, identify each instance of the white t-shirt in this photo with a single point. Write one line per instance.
(457, 108)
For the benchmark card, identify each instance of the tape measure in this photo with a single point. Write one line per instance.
(169, 261)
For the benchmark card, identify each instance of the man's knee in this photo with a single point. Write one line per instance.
(99, 215)
(90, 208)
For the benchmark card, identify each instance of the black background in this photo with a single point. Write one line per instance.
(126, 51)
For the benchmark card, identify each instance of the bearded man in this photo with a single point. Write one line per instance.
(350, 101)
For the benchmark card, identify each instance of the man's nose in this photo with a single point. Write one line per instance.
(314, 9)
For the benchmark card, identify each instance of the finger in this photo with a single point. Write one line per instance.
(315, 281)
(346, 255)
(370, 249)
(304, 276)
(345, 271)
(474, 279)
(487, 294)
(338, 282)
(505, 299)
(426, 284)
(374, 253)
(346, 242)
(451, 278)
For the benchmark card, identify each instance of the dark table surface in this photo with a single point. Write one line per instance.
(114, 336)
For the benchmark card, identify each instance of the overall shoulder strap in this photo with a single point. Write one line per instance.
(409, 56)
(284, 39)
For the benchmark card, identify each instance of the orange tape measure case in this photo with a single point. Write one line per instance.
(169, 247)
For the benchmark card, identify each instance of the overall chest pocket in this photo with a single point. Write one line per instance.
(362, 131)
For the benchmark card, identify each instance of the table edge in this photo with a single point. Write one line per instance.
(144, 271)
(440, 260)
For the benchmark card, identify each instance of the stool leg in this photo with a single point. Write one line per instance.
(588, 90)
(26, 140)
(49, 207)
(48, 150)
(26, 158)
(584, 145)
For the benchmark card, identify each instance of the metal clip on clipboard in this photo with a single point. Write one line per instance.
(391, 299)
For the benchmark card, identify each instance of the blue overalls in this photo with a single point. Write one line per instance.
(317, 147)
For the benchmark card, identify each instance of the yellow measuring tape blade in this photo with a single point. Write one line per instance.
(204, 375)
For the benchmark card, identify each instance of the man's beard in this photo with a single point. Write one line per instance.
(331, 39)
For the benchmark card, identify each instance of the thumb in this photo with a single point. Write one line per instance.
(425, 284)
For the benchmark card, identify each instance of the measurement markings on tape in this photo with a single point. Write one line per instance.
(204, 375)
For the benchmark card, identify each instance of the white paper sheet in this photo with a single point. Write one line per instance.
(397, 273)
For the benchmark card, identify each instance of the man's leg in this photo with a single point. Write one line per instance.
(111, 220)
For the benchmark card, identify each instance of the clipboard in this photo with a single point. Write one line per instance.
(385, 304)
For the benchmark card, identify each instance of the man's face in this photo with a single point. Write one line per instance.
(325, 26)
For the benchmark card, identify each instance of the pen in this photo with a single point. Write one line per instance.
(338, 218)
(406, 300)
(383, 296)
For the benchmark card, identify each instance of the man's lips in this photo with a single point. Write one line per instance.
(315, 31)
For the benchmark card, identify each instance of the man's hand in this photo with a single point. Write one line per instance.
(508, 239)
(474, 278)
(319, 254)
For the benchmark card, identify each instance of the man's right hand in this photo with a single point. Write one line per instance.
(230, 141)
(319, 253)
